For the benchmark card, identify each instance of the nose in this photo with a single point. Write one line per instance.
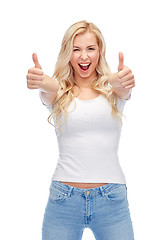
(84, 55)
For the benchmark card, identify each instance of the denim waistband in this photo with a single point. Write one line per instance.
(82, 191)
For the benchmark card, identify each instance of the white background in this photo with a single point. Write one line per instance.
(29, 148)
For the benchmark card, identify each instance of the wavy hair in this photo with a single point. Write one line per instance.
(64, 74)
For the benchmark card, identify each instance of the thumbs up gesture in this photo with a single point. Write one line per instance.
(35, 74)
(125, 75)
(124, 78)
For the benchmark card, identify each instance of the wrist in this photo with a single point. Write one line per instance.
(49, 85)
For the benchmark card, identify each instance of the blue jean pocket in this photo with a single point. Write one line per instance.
(56, 195)
(117, 193)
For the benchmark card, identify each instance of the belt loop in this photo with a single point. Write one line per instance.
(70, 191)
(101, 189)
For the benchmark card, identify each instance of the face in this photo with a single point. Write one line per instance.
(85, 55)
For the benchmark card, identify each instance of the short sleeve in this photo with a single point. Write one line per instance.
(49, 106)
(121, 102)
(129, 96)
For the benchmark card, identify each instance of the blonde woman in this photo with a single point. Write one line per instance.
(86, 101)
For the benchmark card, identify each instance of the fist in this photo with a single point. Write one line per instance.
(35, 74)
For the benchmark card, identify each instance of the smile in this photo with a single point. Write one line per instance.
(84, 66)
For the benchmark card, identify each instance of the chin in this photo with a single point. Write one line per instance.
(84, 75)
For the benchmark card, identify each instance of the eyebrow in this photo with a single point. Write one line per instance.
(88, 46)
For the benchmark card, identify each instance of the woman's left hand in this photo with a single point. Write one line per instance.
(124, 78)
(125, 75)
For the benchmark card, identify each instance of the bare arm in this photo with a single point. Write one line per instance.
(36, 79)
(48, 89)
(121, 92)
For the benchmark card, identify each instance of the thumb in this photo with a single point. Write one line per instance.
(35, 60)
(121, 62)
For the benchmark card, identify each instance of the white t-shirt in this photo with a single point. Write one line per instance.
(88, 144)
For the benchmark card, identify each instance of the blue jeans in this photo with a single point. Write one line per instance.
(105, 210)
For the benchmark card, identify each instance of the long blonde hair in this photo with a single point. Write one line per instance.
(64, 74)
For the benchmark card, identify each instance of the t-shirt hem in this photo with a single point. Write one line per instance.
(88, 180)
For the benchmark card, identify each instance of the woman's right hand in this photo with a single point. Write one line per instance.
(35, 74)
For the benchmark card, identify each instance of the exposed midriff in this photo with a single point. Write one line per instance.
(84, 185)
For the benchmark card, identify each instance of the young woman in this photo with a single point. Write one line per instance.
(88, 188)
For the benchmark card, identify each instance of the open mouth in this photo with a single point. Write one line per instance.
(84, 66)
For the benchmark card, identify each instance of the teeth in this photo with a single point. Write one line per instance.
(84, 65)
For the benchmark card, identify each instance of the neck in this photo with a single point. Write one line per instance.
(84, 82)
